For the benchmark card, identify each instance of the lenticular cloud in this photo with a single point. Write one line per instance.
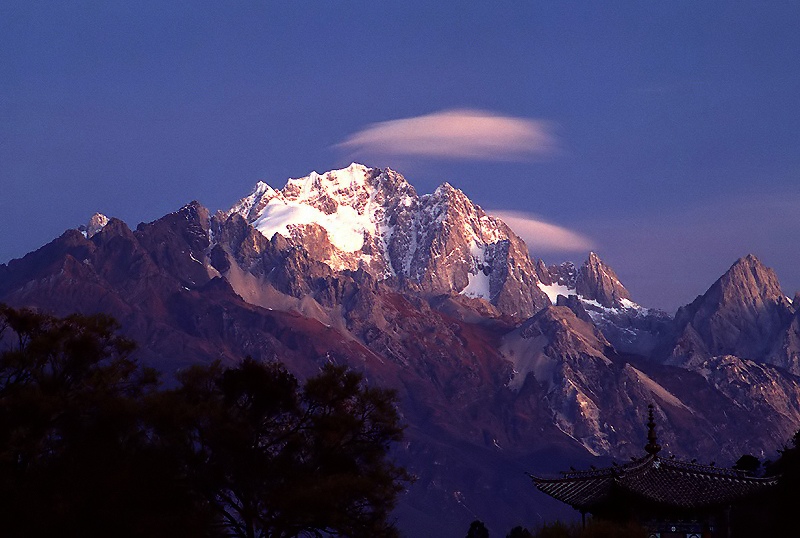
(541, 236)
(458, 134)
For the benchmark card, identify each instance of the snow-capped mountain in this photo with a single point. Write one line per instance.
(368, 218)
(502, 364)
(439, 243)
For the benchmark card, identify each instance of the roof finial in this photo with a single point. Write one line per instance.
(652, 446)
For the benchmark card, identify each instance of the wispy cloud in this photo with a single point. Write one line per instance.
(457, 134)
(544, 237)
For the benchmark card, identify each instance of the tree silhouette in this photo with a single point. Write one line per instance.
(748, 463)
(774, 513)
(477, 530)
(519, 532)
(89, 445)
(277, 460)
(74, 454)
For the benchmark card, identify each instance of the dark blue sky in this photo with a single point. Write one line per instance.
(677, 123)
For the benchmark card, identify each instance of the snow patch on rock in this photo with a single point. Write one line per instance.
(345, 227)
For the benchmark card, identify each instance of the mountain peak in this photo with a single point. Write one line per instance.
(336, 183)
(752, 278)
(337, 201)
(597, 281)
(740, 314)
(96, 223)
(372, 218)
(445, 188)
(751, 263)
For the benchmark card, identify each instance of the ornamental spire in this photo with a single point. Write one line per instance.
(652, 446)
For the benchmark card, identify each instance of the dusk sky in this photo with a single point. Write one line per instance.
(665, 136)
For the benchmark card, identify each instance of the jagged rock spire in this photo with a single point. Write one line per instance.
(652, 446)
(598, 282)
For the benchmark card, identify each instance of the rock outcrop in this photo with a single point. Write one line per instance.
(597, 281)
(501, 365)
(743, 314)
(437, 244)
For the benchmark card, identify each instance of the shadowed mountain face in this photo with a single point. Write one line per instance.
(502, 365)
(744, 313)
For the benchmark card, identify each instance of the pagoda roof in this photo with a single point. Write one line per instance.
(663, 481)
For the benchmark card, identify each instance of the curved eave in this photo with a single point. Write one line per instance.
(666, 482)
(580, 493)
(687, 488)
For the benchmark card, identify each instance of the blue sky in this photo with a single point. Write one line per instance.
(671, 129)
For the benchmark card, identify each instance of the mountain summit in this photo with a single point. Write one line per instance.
(373, 219)
(597, 281)
(501, 364)
(742, 314)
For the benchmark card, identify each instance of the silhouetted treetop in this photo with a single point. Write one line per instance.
(91, 446)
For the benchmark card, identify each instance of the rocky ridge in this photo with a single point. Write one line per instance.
(502, 364)
(744, 314)
(373, 219)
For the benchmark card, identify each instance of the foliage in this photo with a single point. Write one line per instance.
(519, 532)
(748, 463)
(275, 460)
(477, 529)
(773, 514)
(74, 454)
(89, 445)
